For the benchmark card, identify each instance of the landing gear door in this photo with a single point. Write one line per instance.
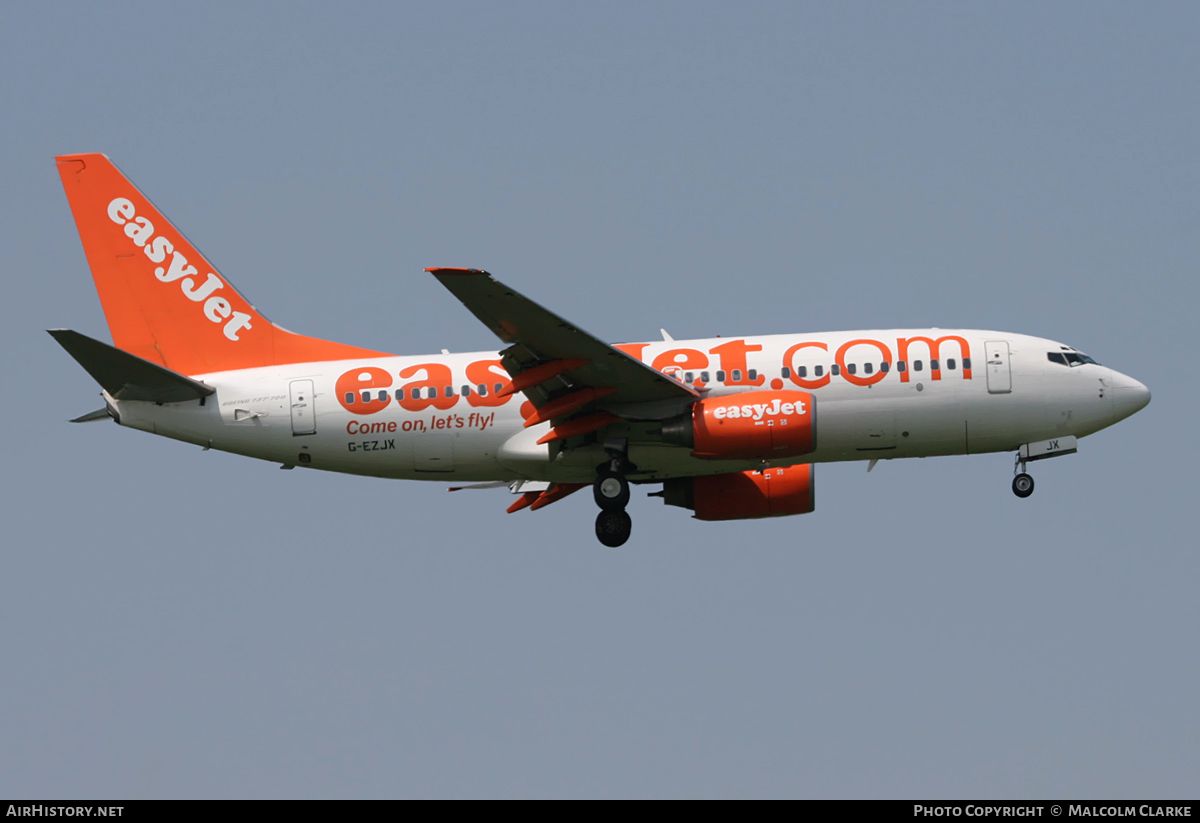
(433, 453)
(999, 375)
(876, 431)
(304, 418)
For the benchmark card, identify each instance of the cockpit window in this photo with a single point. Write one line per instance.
(1070, 358)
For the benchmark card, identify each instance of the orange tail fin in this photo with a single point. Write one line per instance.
(163, 300)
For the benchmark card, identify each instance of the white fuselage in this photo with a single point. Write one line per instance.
(1011, 394)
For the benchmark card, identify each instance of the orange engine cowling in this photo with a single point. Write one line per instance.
(760, 425)
(744, 495)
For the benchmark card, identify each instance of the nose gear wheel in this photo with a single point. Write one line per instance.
(1022, 485)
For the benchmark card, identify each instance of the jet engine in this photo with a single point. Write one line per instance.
(760, 425)
(744, 495)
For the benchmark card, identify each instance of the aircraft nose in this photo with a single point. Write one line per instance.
(1129, 396)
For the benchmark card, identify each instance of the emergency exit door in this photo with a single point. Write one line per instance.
(999, 374)
(304, 418)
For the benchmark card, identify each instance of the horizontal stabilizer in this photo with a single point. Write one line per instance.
(126, 376)
(98, 414)
(491, 484)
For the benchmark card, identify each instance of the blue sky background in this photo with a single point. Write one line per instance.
(178, 623)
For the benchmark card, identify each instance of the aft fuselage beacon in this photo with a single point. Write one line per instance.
(731, 428)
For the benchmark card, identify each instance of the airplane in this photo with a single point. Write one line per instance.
(727, 428)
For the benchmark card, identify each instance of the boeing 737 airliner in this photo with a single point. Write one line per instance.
(729, 428)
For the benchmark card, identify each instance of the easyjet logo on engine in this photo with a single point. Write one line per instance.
(215, 307)
(757, 411)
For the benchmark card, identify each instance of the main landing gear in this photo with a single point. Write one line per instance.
(1022, 484)
(611, 490)
(613, 527)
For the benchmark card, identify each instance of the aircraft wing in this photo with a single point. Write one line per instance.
(543, 345)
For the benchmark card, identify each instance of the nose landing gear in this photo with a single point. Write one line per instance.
(1022, 484)
(611, 491)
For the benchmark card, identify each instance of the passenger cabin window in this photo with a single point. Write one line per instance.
(350, 398)
(466, 391)
(901, 366)
(497, 387)
(818, 370)
(885, 367)
(704, 376)
(720, 377)
(689, 377)
(399, 394)
(868, 368)
(366, 397)
(448, 391)
(950, 364)
(916, 365)
(785, 372)
(850, 367)
(737, 375)
(431, 393)
(835, 369)
(966, 362)
(802, 371)
(482, 389)
(753, 375)
(933, 365)
(383, 396)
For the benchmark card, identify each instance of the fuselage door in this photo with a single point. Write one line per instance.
(304, 418)
(999, 374)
